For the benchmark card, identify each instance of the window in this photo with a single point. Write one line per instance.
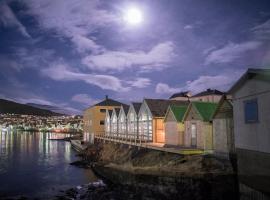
(101, 122)
(251, 111)
(102, 110)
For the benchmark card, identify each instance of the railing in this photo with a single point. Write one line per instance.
(124, 137)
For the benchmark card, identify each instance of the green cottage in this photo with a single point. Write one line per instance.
(198, 125)
(174, 125)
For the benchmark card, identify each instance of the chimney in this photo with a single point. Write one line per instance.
(106, 97)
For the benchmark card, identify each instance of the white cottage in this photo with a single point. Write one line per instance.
(108, 123)
(151, 119)
(251, 103)
(114, 122)
(122, 121)
(133, 120)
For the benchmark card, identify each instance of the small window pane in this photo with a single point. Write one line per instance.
(103, 110)
(251, 111)
(101, 122)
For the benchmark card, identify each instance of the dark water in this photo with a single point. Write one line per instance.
(33, 166)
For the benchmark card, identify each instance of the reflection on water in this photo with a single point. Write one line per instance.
(32, 165)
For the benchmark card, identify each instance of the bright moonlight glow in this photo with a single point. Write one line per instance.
(133, 16)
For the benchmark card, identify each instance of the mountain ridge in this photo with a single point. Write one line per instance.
(8, 106)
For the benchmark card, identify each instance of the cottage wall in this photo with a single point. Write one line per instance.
(253, 136)
(223, 137)
(199, 128)
(174, 131)
(207, 98)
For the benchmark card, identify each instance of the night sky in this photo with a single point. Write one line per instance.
(71, 53)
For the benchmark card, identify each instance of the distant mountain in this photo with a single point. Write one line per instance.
(7, 106)
(49, 107)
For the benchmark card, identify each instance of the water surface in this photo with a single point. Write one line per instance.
(33, 166)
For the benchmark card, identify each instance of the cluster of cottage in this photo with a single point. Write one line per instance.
(235, 124)
(182, 120)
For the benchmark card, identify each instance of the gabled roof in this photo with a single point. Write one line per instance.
(179, 112)
(117, 111)
(209, 92)
(180, 94)
(158, 107)
(205, 109)
(125, 108)
(108, 102)
(222, 100)
(262, 74)
(137, 107)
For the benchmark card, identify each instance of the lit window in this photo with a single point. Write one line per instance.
(251, 111)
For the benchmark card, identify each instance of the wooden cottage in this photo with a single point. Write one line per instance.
(114, 122)
(151, 119)
(198, 125)
(223, 137)
(251, 115)
(174, 125)
(122, 121)
(108, 123)
(94, 118)
(133, 120)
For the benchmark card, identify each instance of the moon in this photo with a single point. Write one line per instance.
(133, 16)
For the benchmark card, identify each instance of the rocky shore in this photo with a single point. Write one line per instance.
(151, 174)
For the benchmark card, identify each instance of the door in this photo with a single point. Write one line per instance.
(160, 135)
(193, 135)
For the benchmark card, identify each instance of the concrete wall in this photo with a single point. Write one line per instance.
(253, 136)
(254, 169)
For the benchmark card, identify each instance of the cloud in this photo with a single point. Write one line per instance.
(262, 31)
(188, 27)
(157, 57)
(8, 19)
(72, 19)
(230, 52)
(35, 58)
(84, 99)
(85, 44)
(163, 88)
(140, 82)
(62, 72)
(220, 82)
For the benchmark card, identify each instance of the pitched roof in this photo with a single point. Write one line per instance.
(117, 111)
(222, 100)
(205, 109)
(262, 74)
(209, 92)
(137, 106)
(125, 108)
(158, 107)
(108, 102)
(179, 112)
(179, 94)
